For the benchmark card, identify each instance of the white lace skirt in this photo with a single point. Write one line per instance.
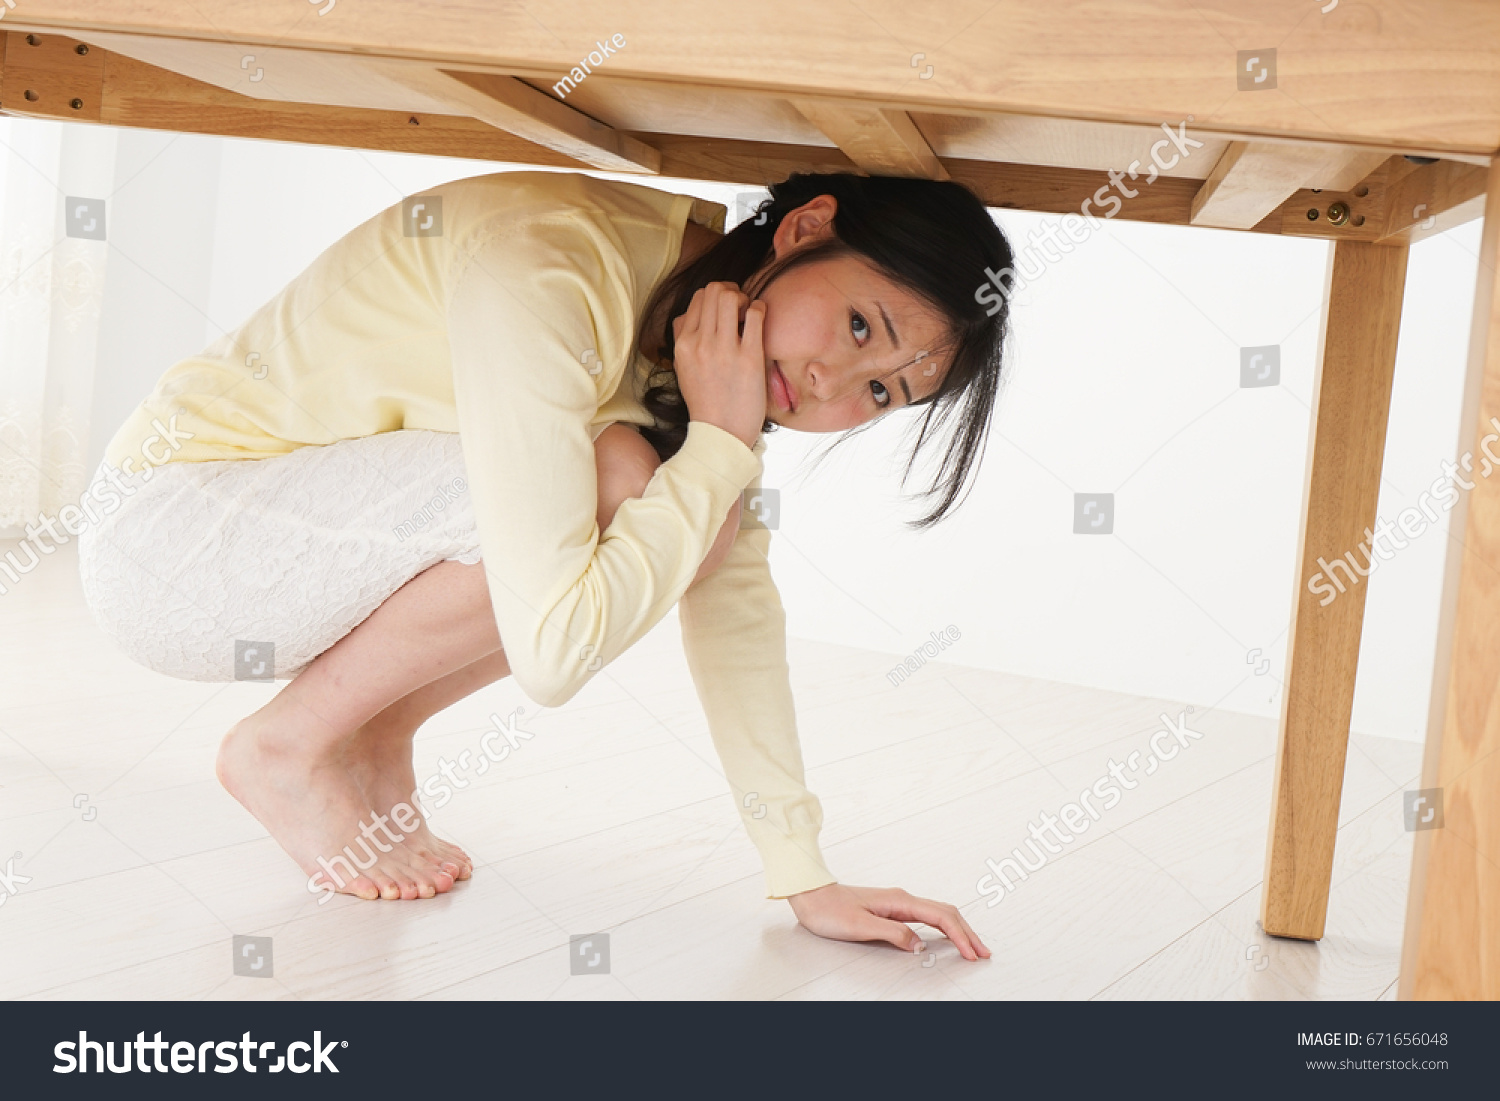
(248, 569)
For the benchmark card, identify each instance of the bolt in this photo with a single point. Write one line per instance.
(76, 104)
(1338, 213)
(80, 49)
(1312, 215)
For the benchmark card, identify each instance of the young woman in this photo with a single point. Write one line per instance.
(500, 429)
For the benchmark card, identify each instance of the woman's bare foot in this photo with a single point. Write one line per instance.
(383, 769)
(305, 795)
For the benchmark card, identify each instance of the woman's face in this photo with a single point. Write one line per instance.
(843, 344)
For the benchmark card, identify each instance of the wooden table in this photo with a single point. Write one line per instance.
(1314, 123)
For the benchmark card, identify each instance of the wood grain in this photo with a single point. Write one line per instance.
(1421, 75)
(1252, 179)
(879, 140)
(1452, 946)
(1356, 362)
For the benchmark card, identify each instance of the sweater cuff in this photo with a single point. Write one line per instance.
(793, 863)
(731, 465)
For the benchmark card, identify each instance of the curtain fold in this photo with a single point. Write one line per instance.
(54, 191)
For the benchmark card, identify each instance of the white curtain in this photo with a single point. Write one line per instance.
(51, 289)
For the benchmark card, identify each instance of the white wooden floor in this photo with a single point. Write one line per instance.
(614, 819)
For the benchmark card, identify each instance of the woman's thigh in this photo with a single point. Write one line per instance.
(250, 569)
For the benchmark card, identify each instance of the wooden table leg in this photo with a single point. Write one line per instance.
(1452, 945)
(1352, 396)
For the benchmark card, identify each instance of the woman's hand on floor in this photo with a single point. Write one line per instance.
(841, 912)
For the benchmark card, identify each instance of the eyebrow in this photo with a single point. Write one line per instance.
(891, 332)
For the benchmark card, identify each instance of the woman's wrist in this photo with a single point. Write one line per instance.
(745, 437)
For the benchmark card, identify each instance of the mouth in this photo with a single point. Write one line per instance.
(782, 390)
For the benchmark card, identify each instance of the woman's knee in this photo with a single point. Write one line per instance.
(624, 463)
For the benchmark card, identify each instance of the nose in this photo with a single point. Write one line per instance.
(838, 376)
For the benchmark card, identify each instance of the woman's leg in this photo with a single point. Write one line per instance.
(342, 731)
(380, 753)
(286, 762)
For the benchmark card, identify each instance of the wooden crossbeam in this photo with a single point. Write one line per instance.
(1433, 198)
(508, 104)
(877, 139)
(1251, 179)
(51, 76)
(274, 74)
(132, 93)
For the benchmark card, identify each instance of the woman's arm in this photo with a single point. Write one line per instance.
(734, 635)
(524, 309)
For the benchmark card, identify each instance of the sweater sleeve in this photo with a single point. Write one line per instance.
(734, 637)
(540, 324)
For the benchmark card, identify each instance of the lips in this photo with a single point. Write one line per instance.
(782, 388)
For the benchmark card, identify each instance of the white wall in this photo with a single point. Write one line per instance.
(1124, 378)
(161, 247)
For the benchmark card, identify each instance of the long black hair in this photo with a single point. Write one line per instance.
(932, 237)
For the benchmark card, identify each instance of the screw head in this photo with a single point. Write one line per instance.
(1312, 215)
(1338, 213)
(80, 49)
(76, 104)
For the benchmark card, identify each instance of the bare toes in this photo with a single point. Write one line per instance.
(364, 887)
(389, 888)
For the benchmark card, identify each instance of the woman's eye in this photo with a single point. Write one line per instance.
(857, 321)
(882, 396)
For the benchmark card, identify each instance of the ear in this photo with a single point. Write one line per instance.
(811, 221)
